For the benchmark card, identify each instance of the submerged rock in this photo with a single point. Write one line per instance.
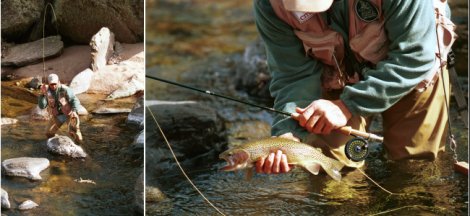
(29, 53)
(5, 200)
(7, 121)
(25, 167)
(102, 47)
(27, 205)
(82, 81)
(139, 194)
(110, 110)
(39, 114)
(137, 114)
(63, 145)
(192, 128)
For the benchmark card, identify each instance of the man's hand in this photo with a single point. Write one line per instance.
(322, 116)
(44, 89)
(275, 162)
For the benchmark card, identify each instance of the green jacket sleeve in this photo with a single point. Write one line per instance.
(73, 100)
(295, 76)
(42, 101)
(411, 30)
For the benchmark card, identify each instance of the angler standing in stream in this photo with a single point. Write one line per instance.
(62, 105)
(335, 63)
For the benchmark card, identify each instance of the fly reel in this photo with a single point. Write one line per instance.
(357, 149)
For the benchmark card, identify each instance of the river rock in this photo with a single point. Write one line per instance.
(80, 20)
(39, 114)
(63, 145)
(25, 167)
(139, 194)
(29, 53)
(192, 128)
(5, 200)
(252, 73)
(82, 81)
(19, 16)
(136, 116)
(102, 48)
(110, 110)
(27, 205)
(153, 194)
(35, 83)
(7, 121)
(130, 88)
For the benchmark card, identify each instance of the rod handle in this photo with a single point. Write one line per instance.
(347, 130)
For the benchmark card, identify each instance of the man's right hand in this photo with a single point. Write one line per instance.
(44, 89)
(275, 162)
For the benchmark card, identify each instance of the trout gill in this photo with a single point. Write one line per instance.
(300, 154)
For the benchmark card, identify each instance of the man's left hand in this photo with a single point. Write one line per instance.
(322, 116)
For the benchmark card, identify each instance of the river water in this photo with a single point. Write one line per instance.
(187, 37)
(112, 163)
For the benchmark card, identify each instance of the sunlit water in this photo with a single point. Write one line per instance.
(112, 164)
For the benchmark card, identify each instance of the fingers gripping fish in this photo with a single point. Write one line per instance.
(300, 154)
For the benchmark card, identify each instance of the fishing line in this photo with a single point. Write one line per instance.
(43, 38)
(181, 168)
(372, 180)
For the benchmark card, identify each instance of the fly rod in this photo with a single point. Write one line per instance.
(347, 130)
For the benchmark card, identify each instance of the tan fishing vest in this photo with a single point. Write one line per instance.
(367, 39)
(63, 102)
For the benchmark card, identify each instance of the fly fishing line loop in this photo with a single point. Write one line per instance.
(43, 37)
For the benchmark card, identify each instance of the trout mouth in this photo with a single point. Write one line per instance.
(235, 160)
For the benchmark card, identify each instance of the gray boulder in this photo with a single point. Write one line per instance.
(80, 20)
(63, 145)
(82, 81)
(27, 205)
(133, 86)
(102, 48)
(25, 167)
(29, 53)
(35, 83)
(19, 16)
(136, 116)
(5, 200)
(139, 140)
(81, 110)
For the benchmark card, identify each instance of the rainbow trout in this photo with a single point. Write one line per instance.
(301, 154)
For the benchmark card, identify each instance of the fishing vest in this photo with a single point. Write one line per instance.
(62, 105)
(368, 42)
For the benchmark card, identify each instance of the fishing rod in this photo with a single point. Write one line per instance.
(346, 130)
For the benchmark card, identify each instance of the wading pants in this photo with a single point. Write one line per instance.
(73, 124)
(413, 128)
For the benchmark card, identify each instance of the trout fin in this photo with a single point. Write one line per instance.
(314, 168)
(334, 170)
(248, 174)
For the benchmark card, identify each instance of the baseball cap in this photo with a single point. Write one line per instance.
(53, 79)
(307, 5)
